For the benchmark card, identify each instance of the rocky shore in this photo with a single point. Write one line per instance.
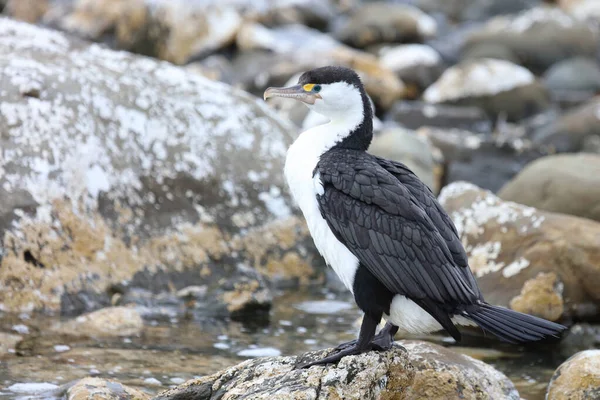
(141, 187)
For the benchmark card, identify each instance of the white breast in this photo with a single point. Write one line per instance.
(301, 160)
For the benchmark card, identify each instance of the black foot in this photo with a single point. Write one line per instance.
(383, 341)
(350, 351)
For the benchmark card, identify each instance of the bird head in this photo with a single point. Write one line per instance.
(334, 92)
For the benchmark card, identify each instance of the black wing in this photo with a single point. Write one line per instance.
(442, 221)
(388, 229)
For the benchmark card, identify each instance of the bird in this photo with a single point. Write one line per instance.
(382, 230)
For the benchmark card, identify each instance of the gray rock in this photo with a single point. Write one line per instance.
(574, 74)
(532, 261)
(539, 37)
(578, 378)
(417, 114)
(414, 151)
(8, 342)
(582, 9)
(497, 86)
(572, 132)
(564, 183)
(423, 370)
(475, 10)
(119, 171)
(497, 51)
(579, 338)
(381, 22)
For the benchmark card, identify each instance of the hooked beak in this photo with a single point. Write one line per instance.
(294, 92)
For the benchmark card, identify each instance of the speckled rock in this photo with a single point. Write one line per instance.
(530, 260)
(538, 37)
(485, 160)
(120, 171)
(415, 151)
(107, 322)
(578, 378)
(423, 370)
(564, 183)
(496, 86)
(382, 22)
(417, 65)
(297, 48)
(8, 342)
(576, 130)
(103, 389)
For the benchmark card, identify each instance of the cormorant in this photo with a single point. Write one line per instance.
(381, 229)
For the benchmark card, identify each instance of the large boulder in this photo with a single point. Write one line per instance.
(533, 261)
(578, 378)
(120, 171)
(496, 86)
(538, 37)
(421, 370)
(564, 183)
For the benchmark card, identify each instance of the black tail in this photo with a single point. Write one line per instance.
(512, 326)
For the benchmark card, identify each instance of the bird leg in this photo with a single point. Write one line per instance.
(381, 342)
(362, 344)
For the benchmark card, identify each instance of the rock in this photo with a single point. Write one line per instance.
(26, 10)
(417, 114)
(484, 160)
(417, 65)
(414, 151)
(381, 22)
(216, 67)
(300, 48)
(313, 13)
(539, 37)
(564, 183)
(582, 9)
(534, 261)
(580, 337)
(104, 389)
(573, 81)
(497, 86)
(576, 130)
(423, 370)
(474, 10)
(578, 378)
(451, 45)
(120, 171)
(495, 51)
(107, 322)
(8, 342)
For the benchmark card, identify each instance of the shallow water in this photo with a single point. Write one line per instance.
(171, 351)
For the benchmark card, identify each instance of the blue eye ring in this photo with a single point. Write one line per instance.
(317, 88)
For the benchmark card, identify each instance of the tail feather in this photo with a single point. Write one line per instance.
(512, 326)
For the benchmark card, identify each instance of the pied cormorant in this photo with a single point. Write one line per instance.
(381, 229)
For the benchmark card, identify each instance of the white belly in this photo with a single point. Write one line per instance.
(301, 160)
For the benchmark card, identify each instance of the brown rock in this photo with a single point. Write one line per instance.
(510, 245)
(8, 342)
(578, 378)
(422, 370)
(26, 10)
(103, 389)
(107, 322)
(564, 183)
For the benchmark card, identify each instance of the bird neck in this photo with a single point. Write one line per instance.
(359, 127)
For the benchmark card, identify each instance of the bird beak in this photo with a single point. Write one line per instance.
(294, 92)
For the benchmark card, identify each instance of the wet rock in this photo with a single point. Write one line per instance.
(576, 130)
(578, 378)
(26, 10)
(8, 342)
(423, 370)
(564, 183)
(298, 48)
(496, 86)
(107, 322)
(482, 159)
(417, 65)
(121, 172)
(574, 75)
(414, 151)
(536, 261)
(381, 22)
(417, 114)
(539, 37)
(97, 388)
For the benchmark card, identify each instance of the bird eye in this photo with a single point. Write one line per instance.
(317, 88)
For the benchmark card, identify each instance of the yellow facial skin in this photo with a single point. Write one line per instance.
(308, 87)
